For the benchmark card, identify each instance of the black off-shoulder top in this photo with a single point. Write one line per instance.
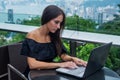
(40, 51)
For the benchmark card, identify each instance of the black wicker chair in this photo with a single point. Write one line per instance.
(4, 60)
(17, 63)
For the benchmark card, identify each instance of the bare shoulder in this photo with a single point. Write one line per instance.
(33, 34)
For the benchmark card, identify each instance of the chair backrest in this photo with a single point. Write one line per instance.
(4, 60)
(17, 60)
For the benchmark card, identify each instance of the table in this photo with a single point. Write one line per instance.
(51, 74)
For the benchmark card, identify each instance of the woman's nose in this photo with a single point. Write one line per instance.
(58, 26)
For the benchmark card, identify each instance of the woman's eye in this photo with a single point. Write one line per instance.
(56, 22)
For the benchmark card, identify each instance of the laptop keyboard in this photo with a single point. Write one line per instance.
(77, 70)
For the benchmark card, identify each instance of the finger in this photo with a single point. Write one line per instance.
(84, 64)
(73, 65)
(81, 63)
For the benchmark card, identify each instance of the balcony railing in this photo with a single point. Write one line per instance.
(71, 35)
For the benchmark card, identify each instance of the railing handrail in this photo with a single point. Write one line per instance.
(67, 34)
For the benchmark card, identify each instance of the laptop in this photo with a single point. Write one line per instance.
(111, 78)
(96, 62)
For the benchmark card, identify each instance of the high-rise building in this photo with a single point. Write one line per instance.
(100, 18)
(10, 15)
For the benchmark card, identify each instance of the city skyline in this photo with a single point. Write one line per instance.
(83, 8)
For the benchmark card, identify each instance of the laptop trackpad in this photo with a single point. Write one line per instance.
(76, 72)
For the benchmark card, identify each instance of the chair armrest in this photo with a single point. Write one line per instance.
(10, 67)
(3, 75)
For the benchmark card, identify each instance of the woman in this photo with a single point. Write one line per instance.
(43, 44)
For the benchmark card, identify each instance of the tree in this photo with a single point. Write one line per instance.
(3, 35)
(78, 23)
(112, 27)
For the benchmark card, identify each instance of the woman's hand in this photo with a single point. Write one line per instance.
(78, 61)
(68, 64)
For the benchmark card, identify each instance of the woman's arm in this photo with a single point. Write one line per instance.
(66, 57)
(78, 61)
(34, 64)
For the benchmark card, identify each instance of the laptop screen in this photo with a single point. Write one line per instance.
(97, 59)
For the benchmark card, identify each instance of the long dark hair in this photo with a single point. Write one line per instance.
(49, 13)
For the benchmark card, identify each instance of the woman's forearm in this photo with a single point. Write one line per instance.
(76, 60)
(34, 64)
(66, 57)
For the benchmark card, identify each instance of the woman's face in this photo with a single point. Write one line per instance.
(54, 24)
